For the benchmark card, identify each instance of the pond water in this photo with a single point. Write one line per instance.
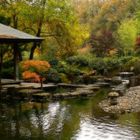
(73, 119)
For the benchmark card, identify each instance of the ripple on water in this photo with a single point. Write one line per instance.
(66, 120)
(102, 131)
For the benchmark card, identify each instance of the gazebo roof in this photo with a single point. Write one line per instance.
(11, 35)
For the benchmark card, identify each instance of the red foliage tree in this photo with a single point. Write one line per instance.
(137, 45)
(35, 70)
(102, 43)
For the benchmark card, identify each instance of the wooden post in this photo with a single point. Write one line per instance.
(16, 60)
(1, 61)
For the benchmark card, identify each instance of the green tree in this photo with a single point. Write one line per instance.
(127, 34)
(108, 17)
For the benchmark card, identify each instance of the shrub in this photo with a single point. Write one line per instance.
(81, 59)
(8, 72)
(64, 78)
(109, 64)
(133, 64)
(53, 76)
(8, 69)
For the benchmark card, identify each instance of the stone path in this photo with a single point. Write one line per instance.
(37, 85)
(32, 91)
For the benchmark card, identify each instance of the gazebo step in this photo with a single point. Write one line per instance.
(17, 86)
(10, 82)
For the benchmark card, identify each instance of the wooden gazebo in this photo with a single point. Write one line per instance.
(11, 36)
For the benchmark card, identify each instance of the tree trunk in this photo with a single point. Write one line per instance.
(16, 60)
(32, 51)
(1, 61)
(42, 13)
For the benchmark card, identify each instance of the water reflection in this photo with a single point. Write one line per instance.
(70, 119)
(102, 131)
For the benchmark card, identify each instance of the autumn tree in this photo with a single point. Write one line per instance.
(35, 15)
(102, 43)
(108, 17)
(63, 24)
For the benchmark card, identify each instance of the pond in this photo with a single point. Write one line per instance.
(73, 119)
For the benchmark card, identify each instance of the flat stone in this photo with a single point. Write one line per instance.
(126, 73)
(37, 85)
(70, 85)
(102, 84)
(42, 94)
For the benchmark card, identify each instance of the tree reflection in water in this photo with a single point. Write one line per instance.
(69, 119)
